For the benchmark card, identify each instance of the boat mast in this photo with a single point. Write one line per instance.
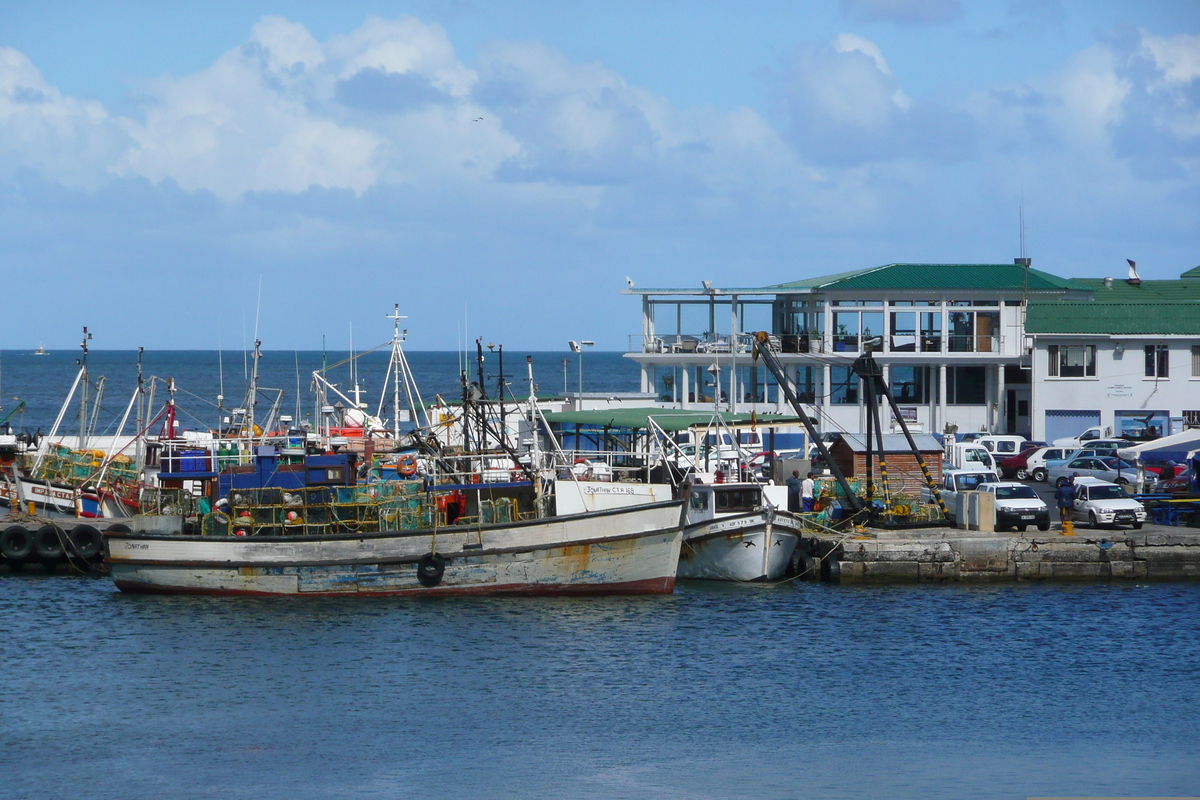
(139, 453)
(253, 388)
(83, 387)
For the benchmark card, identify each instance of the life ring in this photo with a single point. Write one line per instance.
(47, 545)
(407, 466)
(430, 569)
(16, 544)
(85, 541)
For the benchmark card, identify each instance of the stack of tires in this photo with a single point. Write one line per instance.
(49, 545)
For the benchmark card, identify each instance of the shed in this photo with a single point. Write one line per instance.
(904, 473)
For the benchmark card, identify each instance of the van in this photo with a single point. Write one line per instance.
(967, 455)
(1003, 446)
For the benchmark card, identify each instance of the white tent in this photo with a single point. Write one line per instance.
(1168, 448)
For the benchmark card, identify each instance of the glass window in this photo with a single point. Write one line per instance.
(908, 384)
(904, 331)
(1196, 361)
(845, 327)
(844, 386)
(1071, 361)
(872, 326)
(962, 330)
(699, 500)
(931, 331)
(1157, 360)
(966, 386)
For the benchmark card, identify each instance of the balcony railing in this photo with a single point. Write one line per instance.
(802, 343)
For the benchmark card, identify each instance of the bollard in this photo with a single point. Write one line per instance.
(1068, 528)
(32, 509)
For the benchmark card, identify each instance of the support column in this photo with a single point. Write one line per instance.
(1001, 402)
(685, 380)
(647, 378)
(825, 392)
(941, 426)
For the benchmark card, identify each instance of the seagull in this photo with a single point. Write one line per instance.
(477, 119)
(629, 280)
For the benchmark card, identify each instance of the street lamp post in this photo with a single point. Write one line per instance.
(577, 347)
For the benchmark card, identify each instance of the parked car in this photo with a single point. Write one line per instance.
(1109, 445)
(1036, 461)
(1002, 445)
(1090, 435)
(1181, 482)
(1017, 506)
(1105, 503)
(955, 481)
(1017, 466)
(1105, 468)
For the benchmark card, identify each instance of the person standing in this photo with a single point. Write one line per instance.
(793, 484)
(808, 494)
(1064, 496)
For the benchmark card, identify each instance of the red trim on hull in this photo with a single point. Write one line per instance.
(648, 586)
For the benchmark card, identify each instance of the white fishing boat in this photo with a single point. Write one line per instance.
(41, 351)
(631, 550)
(734, 532)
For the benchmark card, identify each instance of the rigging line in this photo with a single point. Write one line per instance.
(357, 355)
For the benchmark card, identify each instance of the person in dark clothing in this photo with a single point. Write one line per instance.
(1064, 496)
(793, 484)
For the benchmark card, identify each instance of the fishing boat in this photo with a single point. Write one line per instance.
(475, 517)
(41, 351)
(311, 529)
(737, 532)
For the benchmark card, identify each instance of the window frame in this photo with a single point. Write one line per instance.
(1158, 361)
(1056, 353)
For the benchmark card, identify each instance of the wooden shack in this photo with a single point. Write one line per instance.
(849, 451)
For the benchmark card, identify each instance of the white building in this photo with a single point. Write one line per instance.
(953, 341)
(1126, 358)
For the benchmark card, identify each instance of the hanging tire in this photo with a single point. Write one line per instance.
(85, 541)
(430, 569)
(47, 544)
(118, 528)
(16, 545)
(831, 570)
(809, 568)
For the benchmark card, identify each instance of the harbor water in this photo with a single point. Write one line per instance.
(800, 690)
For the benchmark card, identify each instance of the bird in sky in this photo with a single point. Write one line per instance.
(477, 119)
(629, 280)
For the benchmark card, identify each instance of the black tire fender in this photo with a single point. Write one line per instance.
(831, 570)
(16, 544)
(430, 568)
(85, 541)
(47, 544)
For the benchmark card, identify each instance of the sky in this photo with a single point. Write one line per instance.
(179, 177)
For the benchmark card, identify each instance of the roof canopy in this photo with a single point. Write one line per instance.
(1169, 448)
(1129, 319)
(892, 443)
(669, 419)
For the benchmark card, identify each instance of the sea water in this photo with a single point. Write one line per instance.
(201, 376)
(717, 691)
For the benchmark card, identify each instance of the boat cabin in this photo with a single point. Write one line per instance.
(709, 501)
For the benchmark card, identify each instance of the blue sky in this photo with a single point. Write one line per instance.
(501, 167)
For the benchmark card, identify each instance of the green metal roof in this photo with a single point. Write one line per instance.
(669, 419)
(1116, 318)
(1194, 272)
(934, 277)
(1145, 292)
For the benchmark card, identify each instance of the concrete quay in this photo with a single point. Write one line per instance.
(941, 555)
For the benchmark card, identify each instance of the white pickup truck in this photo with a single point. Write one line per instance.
(1091, 434)
(955, 481)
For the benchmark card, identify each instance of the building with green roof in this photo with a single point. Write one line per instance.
(960, 344)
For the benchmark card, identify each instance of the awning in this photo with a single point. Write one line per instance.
(669, 419)
(1168, 448)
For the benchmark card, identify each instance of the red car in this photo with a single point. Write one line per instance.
(1017, 466)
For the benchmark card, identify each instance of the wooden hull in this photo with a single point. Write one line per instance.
(746, 547)
(627, 551)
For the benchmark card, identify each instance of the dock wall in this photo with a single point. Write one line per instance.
(952, 555)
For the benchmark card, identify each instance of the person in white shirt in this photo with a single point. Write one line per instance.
(806, 493)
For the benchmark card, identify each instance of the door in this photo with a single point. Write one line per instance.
(1061, 423)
